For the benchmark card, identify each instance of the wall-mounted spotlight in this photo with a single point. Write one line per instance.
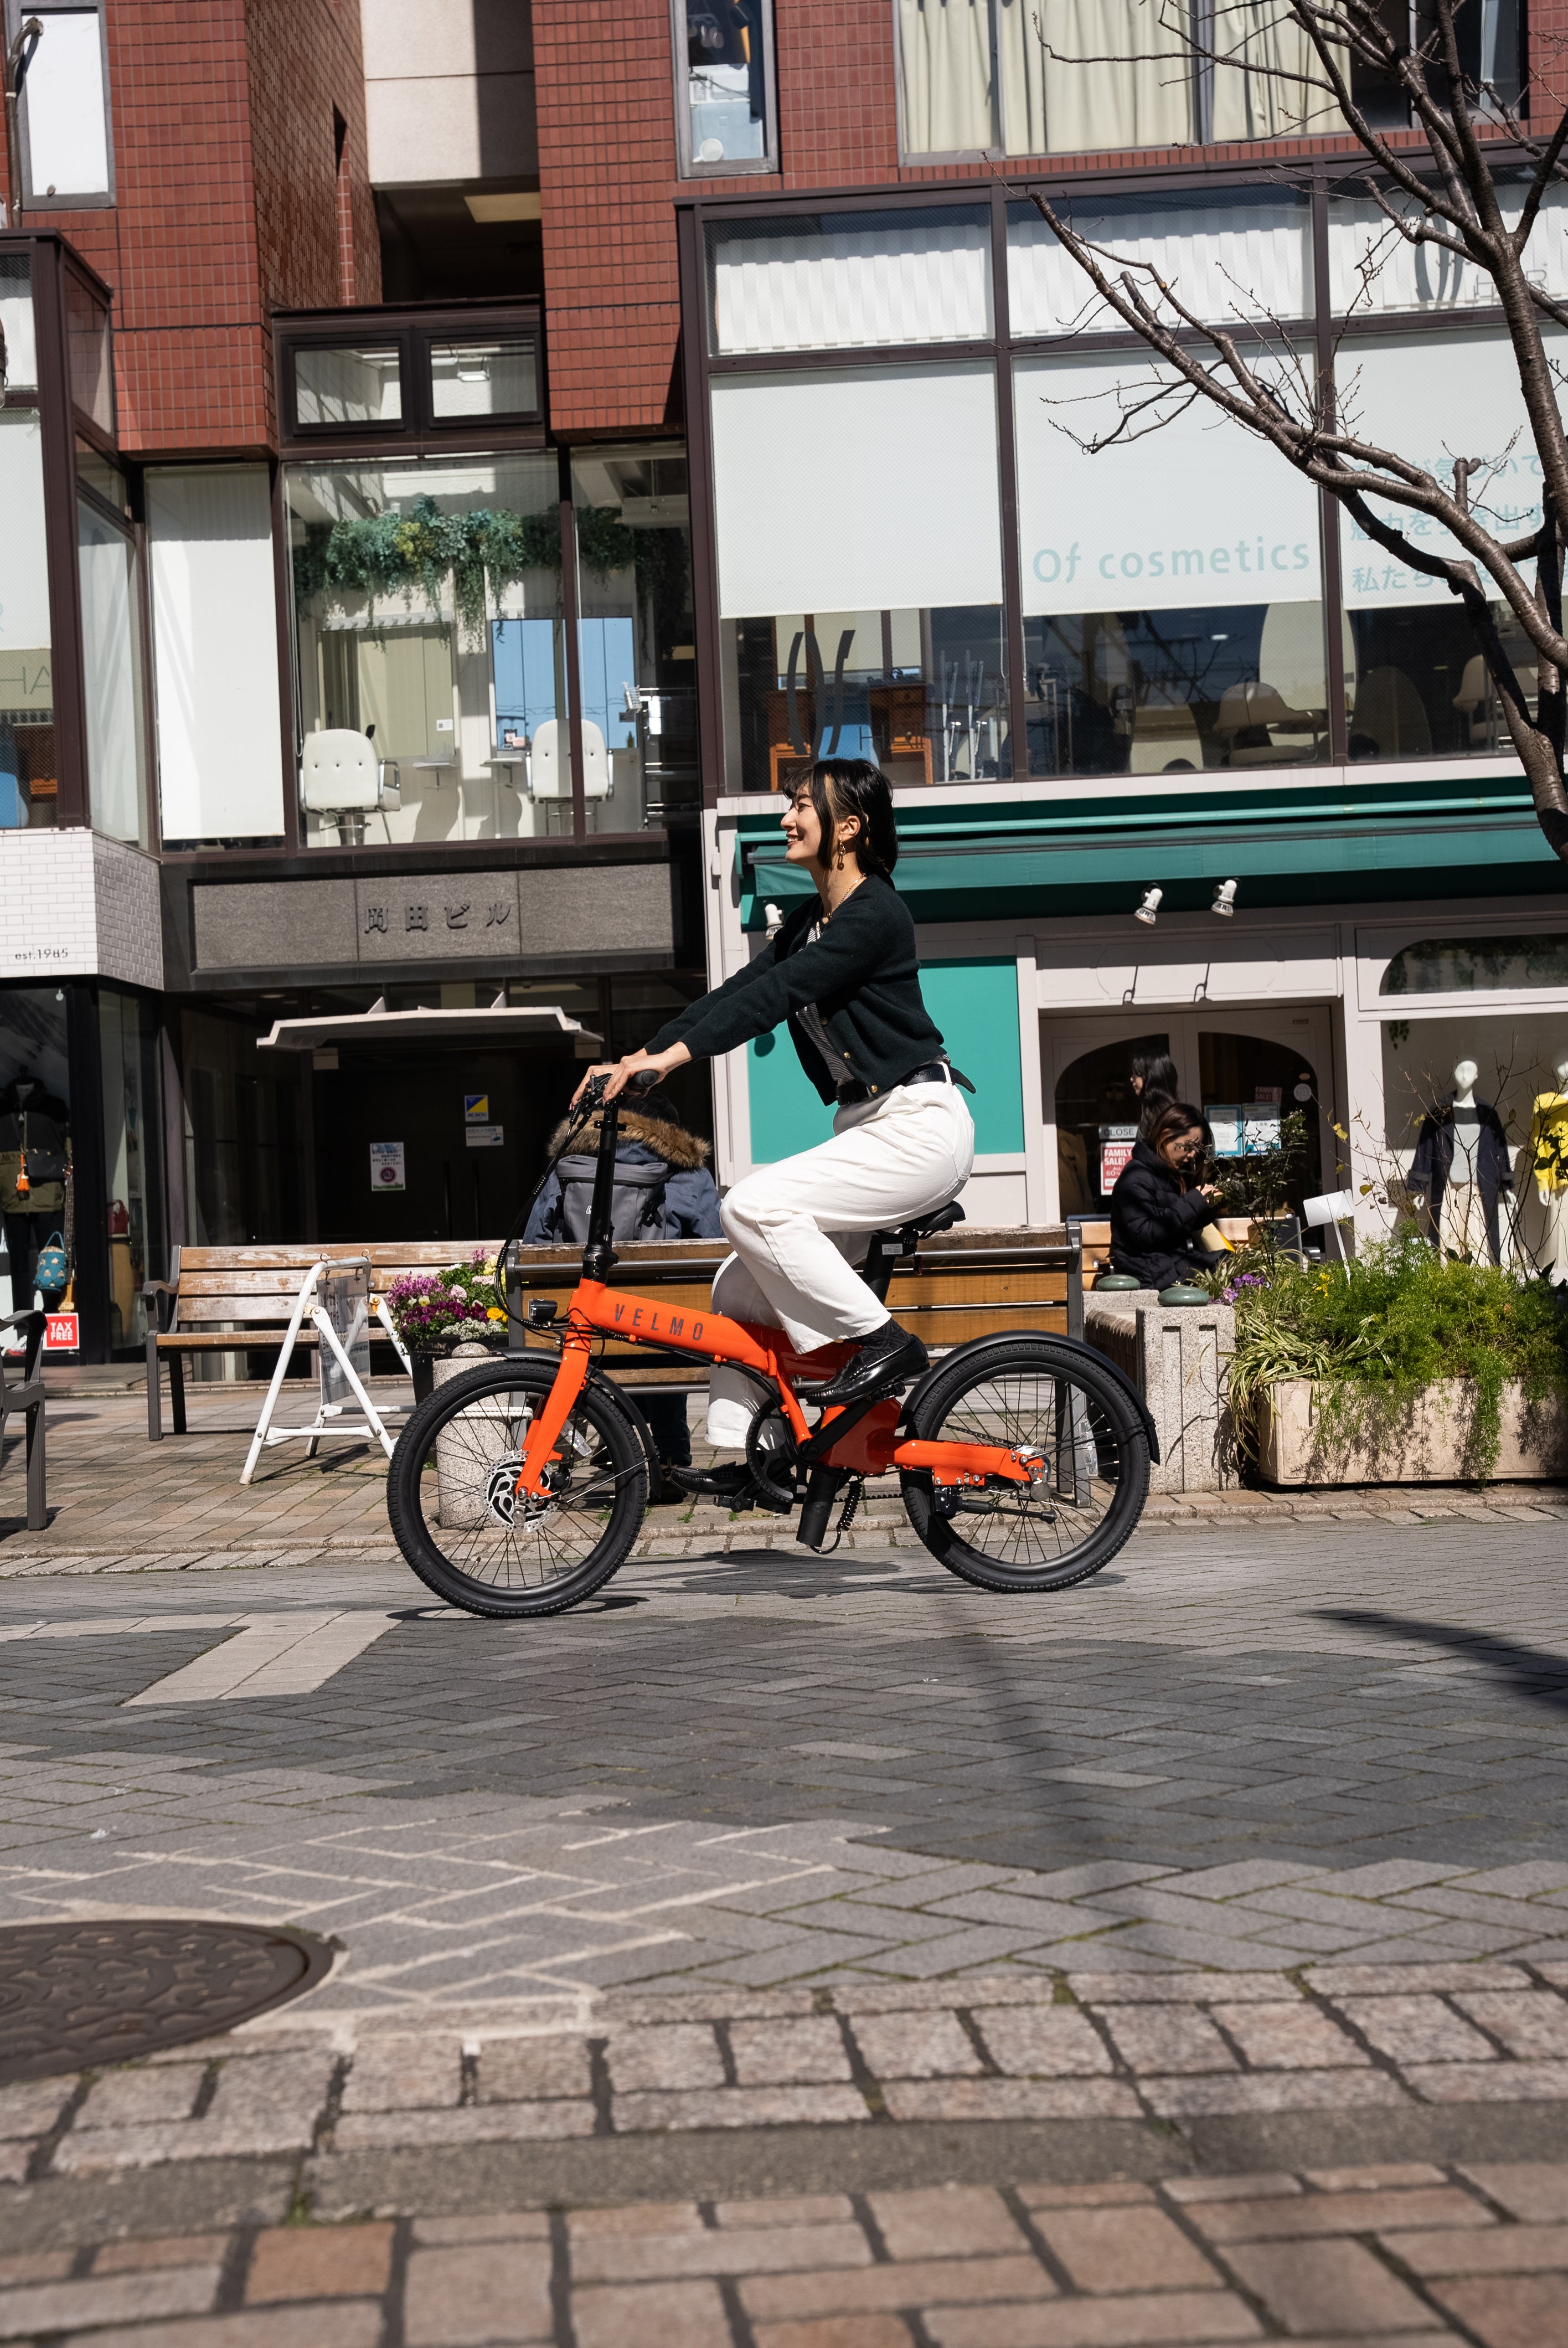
(1225, 900)
(1148, 911)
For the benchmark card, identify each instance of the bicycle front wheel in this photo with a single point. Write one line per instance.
(467, 1532)
(1040, 1394)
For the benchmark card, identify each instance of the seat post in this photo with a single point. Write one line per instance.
(599, 1254)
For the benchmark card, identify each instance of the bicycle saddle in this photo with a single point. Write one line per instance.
(910, 1235)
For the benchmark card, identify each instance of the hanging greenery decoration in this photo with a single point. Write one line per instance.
(481, 553)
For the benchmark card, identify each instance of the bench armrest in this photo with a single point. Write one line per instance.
(34, 1322)
(161, 1288)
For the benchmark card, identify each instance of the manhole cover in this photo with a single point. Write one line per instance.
(77, 1996)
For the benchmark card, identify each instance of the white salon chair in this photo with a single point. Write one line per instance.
(550, 762)
(342, 780)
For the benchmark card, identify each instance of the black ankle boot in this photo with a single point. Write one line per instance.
(886, 1360)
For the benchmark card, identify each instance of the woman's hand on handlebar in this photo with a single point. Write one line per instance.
(616, 1074)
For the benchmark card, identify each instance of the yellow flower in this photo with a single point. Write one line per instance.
(494, 1313)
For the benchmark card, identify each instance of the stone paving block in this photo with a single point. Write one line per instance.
(916, 2046)
(1500, 2082)
(1535, 2191)
(1172, 1987)
(1114, 2194)
(480, 2124)
(1166, 2039)
(128, 2098)
(1289, 2035)
(390, 2074)
(33, 2106)
(859, 1995)
(945, 2221)
(787, 2210)
(1243, 1874)
(1326, 2286)
(1023, 2099)
(517, 2226)
(636, 2218)
(133, 2298)
(1505, 2250)
(34, 2266)
(1338, 1982)
(1055, 2041)
(680, 2055)
(838, 2332)
(481, 2292)
(1167, 2317)
(319, 2262)
(1265, 2185)
(656, 2110)
(638, 2315)
(904, 2283)
(769, 2054)
(1528, 2021)
(1418, 2029)
(1520, 2312)
(355, 2324)
(1272, 2091)
(1376, 2177)
(1126, 2249)
(520, 2070)
(1301, 2215)
(715, 2250)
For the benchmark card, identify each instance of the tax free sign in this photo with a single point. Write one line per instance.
(1198, 512)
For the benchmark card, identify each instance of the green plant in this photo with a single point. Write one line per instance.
(1375, 1334)
(483, 552)
(1259, 1185)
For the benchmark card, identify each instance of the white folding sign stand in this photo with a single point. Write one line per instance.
(340, 1310)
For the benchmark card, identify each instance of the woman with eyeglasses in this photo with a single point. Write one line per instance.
(1158, 1207)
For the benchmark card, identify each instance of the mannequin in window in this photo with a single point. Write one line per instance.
(34, 1149)
(1461, 1173)
(1549, 1163)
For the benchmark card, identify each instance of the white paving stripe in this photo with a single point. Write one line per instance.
(274, 1655)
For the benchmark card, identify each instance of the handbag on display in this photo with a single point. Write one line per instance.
(53, 1270)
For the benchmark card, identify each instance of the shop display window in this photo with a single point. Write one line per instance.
(35, 1117)
(1229, 253)
(1465, 965)
(128, 1051)
(635, 633)
(427, 605)
(1518, 1058)
(1172, 581)
(725, 108)
(859, 618)
(29, 775)
(850, 280)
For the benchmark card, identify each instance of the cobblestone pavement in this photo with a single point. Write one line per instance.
(1407, 2254)
(724, 1919)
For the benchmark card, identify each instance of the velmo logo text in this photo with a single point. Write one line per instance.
(1249, 557)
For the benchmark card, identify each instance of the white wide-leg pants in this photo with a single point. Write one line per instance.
(799, 1227)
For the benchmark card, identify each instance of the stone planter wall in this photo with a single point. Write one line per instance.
(1425, 1444)
(1178, 1357)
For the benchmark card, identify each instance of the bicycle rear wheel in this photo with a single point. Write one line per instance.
(1043, 1394)
(467, 1531)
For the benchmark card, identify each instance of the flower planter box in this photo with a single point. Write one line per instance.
(1424, 1443)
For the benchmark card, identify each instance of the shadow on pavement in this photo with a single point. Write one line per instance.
(1531, 1671)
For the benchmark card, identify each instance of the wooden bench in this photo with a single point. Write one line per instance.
(1094, 1238)
(240, 1300)
(966, 1282)
(28, 1396)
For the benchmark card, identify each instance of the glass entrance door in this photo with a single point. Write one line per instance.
(1269, 1057)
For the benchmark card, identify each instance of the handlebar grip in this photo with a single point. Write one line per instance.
(644, 1080)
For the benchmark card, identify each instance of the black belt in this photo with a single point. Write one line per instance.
(932, 1072)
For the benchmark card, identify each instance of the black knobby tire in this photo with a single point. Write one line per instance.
(1048, 1395)
(449, 1489)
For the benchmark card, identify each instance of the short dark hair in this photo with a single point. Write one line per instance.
(1176, 1117)
(841, 788)
(1158, 1071)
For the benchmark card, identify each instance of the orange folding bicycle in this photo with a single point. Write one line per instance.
(518, 1488)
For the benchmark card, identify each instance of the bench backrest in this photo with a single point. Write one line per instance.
(258, 1287)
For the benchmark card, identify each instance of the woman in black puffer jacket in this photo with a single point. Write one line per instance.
(1156, 1212)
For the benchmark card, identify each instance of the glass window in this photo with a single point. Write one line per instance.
(725, 115)
(427, 605)
(90, 349)
(637, 641)
(28, 773)
(354, 387)
(18, 341)
(837, 281)
(1172, 585)
(103, 476)
(483, 379)
(860, 573)
(1133, 88)
(1417, 683)
(219, 741)
(1463, 966)
(1374, 271)
(1515, 1056)
(65, 108)
(1229, 253)
(128, 1045)
(111, 676)
(34, 1053)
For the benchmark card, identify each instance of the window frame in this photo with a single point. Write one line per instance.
(415, 335)
(33, 198)
(686, 165)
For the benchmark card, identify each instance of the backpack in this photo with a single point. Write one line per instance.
(636, 1204)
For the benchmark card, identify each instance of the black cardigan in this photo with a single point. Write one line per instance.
(1154, 1224)
(863, 974)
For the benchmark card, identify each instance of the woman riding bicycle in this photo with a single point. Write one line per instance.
(844, 972)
